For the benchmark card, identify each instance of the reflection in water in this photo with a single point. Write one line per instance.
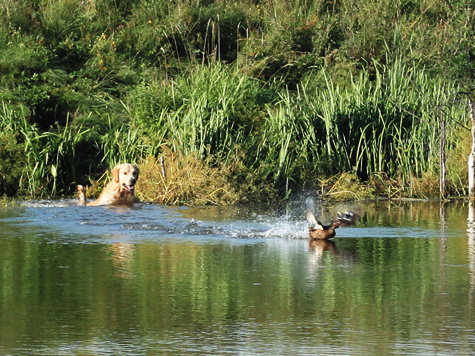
(471, 245)
(159, 280)
(471, 234)
(316, 250)
(122, 256)
(320, 246)
(443, 244)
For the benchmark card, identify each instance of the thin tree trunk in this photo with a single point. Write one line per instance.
(442, 182)
(471, 157)
(164, 170)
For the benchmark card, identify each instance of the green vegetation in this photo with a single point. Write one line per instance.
(274, 96)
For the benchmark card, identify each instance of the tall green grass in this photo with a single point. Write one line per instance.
(47, 165)
(209, 111)
(387, 125)
(287, 138)
(287, 91)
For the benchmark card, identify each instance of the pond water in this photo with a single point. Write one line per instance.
(152, 280)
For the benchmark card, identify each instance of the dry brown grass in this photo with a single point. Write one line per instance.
(425, 187)
(93, 190)
(6, 202)
(189, 180)
(175, 179)
(345, 186)
(184, 180)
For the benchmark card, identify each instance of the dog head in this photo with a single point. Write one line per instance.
(126, 175)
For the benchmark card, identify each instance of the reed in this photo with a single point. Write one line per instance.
(387, 126)
(368, 127)
(286, 93)
(206, 112)
(48, 165)
(177, 179)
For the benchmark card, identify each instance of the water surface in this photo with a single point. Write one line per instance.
(154, 280)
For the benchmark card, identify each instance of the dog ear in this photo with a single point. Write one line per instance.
(138, 171)
(115, 173)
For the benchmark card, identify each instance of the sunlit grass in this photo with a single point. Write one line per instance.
(184, 180)
(279, 95)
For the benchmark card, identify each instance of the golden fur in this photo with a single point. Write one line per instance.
(119, 191)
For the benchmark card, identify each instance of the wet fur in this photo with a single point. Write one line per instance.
(119, 191)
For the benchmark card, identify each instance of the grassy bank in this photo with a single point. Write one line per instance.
(240, 100)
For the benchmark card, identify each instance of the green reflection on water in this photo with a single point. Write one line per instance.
(363, 295)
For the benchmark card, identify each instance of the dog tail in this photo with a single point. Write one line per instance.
(81, 195)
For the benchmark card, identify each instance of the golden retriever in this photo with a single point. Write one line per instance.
(119, 191)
